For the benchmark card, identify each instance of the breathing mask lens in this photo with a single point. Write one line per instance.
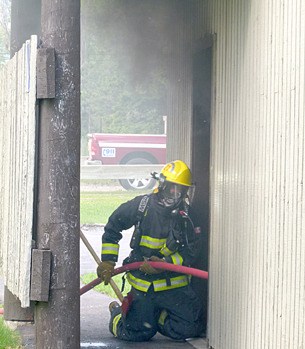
(173, 193)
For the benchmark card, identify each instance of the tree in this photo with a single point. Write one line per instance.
(124, 57)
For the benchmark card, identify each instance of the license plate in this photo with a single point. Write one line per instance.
(108, 152)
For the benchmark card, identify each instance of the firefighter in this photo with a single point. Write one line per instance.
(159, 301)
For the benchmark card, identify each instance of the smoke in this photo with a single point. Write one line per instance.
(138, 31)
(127, 46)
(5, 27)
(5, 16)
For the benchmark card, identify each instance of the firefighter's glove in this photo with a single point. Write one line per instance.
(156, 259)
(146, 268)
(105, 271)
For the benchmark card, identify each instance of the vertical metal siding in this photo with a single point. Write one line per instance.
(257, 251)
(17, 121)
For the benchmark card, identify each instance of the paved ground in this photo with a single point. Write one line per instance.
(94, 309)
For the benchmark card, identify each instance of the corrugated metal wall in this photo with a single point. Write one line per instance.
(17, 127)
(257, 247)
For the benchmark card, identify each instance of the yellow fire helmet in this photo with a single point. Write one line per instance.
(177, 172)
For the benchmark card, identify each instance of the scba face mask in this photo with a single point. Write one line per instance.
(172, 194)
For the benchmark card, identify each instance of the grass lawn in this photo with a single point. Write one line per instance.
(87, 278)
(8, 338)
(96, 207)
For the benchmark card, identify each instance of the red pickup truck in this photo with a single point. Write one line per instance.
(116, 149)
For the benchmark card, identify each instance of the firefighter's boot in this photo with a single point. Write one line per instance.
(113, 305)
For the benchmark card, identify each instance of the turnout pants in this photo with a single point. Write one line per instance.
(175, 313)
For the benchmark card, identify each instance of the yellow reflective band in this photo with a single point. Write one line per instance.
(176, 282)
(139, 284)
(162, 317)
(115, 324)
(166, 251)
(110, 249)
(177, 258)
(152, 243)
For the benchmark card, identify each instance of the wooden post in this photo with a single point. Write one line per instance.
(58, 321)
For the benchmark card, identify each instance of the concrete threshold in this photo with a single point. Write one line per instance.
(198, 343)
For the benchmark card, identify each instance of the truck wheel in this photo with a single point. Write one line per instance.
(137, 183)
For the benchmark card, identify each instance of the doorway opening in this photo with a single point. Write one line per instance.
(202, 86)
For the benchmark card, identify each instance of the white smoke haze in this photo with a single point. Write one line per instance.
(5, 28)
(126, 49)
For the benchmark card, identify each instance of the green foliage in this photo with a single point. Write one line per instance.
(123, 68)
(87, 278)
(8, 338)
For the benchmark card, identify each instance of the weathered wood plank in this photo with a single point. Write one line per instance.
(2, 94)
(17, 121)
(41, 272)
(46, 73)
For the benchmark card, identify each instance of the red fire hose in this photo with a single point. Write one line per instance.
(158, 265)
